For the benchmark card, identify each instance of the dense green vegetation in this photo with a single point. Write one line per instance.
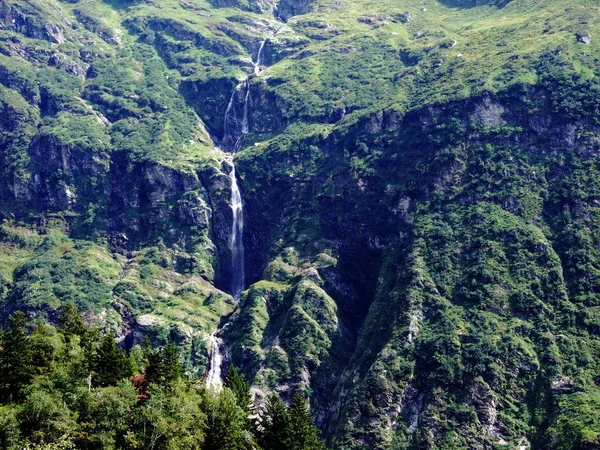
(69, 387)
(421, 209)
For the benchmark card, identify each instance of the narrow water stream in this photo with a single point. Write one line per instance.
(237, 234)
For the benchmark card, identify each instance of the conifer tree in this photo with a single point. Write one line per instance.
(172, 359)
(275, 427)
(133, 364)
(147, 348)
(240, 388)
(164, 365)
(70, 321)
(42, 348)
(110, 363)
(225, 423)
(305, 435)
(16, 357)
(89, 343)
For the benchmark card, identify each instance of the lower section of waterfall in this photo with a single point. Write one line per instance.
(214, 379)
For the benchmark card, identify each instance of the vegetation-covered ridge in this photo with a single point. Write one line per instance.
(420, 197)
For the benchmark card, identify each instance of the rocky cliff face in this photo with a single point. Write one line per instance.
(382, 312)
(289, 8)
(419, 192)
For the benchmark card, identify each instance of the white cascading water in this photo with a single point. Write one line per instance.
(245, 127)
(237, 233)
(227, 112)
(237, 227)
(245, 85)
(214, 378)
(258, 59)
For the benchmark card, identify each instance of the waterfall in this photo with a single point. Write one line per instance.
(227, 113)
(237, 227)
(213, 379)
(236, 242)
(236, 135)
(258, 59)
(245, 127)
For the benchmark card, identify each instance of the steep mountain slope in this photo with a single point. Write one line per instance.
(419, 181)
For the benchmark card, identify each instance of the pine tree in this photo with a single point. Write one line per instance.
(42, 348)
(70, 321)
(240, 388)
(225, 423)
(16, 357)
(147, 348)
(133, 364)
(164, 365)
(305, 435)
(89, 343)
(275, 431)
(172, 359)
(111, 364)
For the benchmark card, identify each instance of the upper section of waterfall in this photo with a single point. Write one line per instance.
(236, 123)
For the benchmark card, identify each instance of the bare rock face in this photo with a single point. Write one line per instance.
(31, 21)
(54, 33)
(584, 38)
(489, 113)
(62, 171)
(404, 17)
(289, 8)
(194, 211)
(257, 6)
(563, 384)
